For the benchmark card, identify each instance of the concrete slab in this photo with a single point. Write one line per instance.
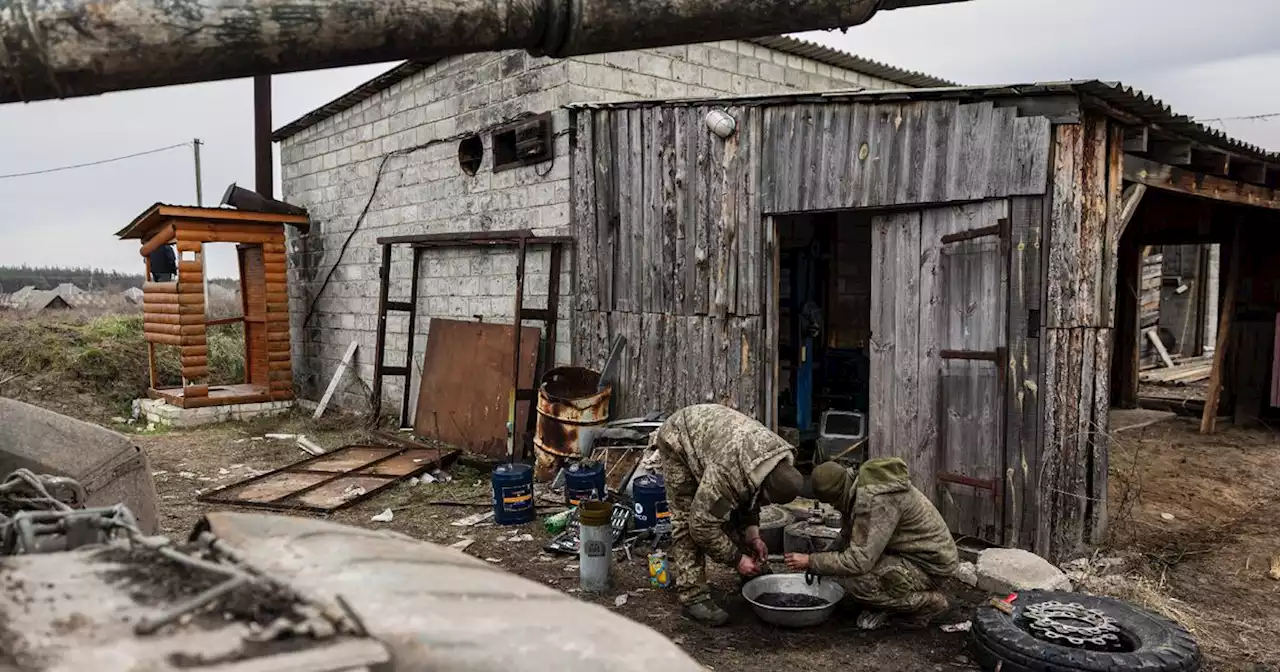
(162, 413)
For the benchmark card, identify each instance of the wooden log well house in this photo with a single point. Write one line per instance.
(960, 263)
(174, 313)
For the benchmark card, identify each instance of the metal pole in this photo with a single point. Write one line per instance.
(195, 148)
(264, 184)
(85, 47)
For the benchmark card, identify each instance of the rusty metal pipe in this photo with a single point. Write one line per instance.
(67, 48)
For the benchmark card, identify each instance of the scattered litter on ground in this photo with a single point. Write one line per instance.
(519, 538)
(385, 517)
(119, 420)
(281, 437)
(967, 574)
(239, 440)
(620, 600)
(186, 474)
(545, 558)
(1167, 516)
(571, 567)
(472, 519)
(426, 478)
(237, 466)
(463, 544)
(962, 626)
(156, 474)
(258, 438)
(352, 491)
(493, 560)
(223, 471)
(1275, 567)
(309, 446)
(412, 481)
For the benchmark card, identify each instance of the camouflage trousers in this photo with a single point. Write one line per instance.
(893, 585)
(687, 559)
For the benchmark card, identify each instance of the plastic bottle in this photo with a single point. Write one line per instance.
(595, 549)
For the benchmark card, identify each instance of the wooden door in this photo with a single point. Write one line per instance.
(938, 352)
(253, 295)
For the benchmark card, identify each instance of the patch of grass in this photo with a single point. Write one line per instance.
(105, 356)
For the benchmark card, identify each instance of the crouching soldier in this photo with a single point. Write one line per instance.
(720, 467)
(897, 546)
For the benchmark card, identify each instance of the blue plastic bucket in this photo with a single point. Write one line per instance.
(513, 494)
(650, 495)
(583, 481)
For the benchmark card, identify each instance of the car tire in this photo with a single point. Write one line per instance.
(1002, 641)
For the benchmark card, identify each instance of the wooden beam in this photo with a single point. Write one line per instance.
(1160, 349)
(161, 237)
(1211, 162)
(1137, 140)
(1213, 395)
(1062, 109)
(1169, 178)
(337, 376)
(1172, 153)
(1129, 202)
(1253, 173)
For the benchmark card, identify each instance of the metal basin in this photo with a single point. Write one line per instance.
(793, 617)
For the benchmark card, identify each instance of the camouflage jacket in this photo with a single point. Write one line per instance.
(729, 454)
(884, 513)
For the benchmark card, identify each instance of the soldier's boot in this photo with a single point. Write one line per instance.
(935, 605)
(707, 612)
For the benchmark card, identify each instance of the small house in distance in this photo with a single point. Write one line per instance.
(174, 312)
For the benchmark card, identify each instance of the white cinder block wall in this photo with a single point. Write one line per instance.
(331, 167)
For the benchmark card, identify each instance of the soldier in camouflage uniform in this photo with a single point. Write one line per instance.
(896, 545)
(720, 466)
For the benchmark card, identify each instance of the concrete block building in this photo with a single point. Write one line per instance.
(412, 151)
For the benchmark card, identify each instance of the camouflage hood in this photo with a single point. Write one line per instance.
(879, 476)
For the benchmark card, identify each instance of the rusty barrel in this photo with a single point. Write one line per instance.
(567, 402)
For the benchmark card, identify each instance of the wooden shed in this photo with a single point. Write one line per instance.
(944, 260)
(174, 313)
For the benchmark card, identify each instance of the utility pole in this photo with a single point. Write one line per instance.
(195, 148)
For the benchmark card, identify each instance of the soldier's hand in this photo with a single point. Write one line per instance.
(747, 566)
(797, 562)
(760, 548)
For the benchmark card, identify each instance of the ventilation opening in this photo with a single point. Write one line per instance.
(471, 154)
(522, 143)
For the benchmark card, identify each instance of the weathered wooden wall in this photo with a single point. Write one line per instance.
(671, 250)
(863, 155)
(1077, 340)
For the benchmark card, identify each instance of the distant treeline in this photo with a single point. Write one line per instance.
(13, 278)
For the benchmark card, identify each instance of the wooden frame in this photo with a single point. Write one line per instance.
(174, 313)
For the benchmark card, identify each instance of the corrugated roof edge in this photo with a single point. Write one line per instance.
(782, 43)
(1121, 98)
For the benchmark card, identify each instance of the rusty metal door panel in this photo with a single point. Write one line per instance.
(466, 385)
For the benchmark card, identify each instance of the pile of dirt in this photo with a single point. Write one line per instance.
(100, 360)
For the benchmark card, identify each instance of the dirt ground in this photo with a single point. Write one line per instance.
(1203, 512)
(1196, 514)
(190, 462)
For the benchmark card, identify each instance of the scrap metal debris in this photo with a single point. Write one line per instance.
(473, 519)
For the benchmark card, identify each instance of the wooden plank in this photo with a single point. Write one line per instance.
(1022, 381)
(746, 185)
(1031, 147)
(835, 134)
(1001, 173)
(671, 353)
(606, 204)
(686, 362)
(769, 363)
(1065, 221)
(975, 123)
(583, 210)
(700, 272)
(884, 300)
(1170, 178)
(808, 147)
(882, 162)
(684, 189)
(1084, 429)
(636, 231)
(855, 162)
(915, 154)
(670, 301)
(727, 225)
(1129, 203)
(218, 236)
(748, 368)
(769, 144)
(159, 239)
(939, 132)
(906, 271)
(1093, 305)
(1159, 346)
(623, 287)
(195, 372)
(1226, 317)
(650, 242)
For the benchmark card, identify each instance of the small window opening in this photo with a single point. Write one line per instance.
(523, 143)
(471, 154)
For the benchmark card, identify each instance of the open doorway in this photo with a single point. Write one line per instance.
(824, 317)
(224, 312)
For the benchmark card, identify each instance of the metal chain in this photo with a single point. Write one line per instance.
(1072, 623)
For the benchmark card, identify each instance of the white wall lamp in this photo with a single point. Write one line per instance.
(721, 123)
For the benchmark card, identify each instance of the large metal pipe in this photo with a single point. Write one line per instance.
(66, 48)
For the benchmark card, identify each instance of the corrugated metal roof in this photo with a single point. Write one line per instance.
(782, 43)
(1120, 99)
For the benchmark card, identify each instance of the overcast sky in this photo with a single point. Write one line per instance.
(1207, 59)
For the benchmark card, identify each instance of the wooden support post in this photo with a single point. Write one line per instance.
(1129, 207)
(1160, 349)
(1209, 421)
